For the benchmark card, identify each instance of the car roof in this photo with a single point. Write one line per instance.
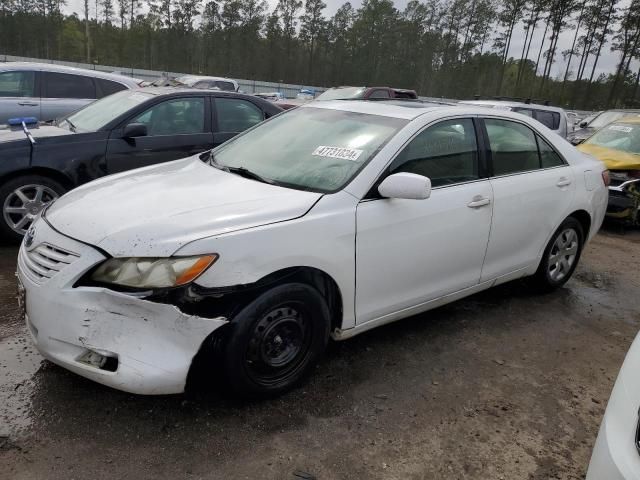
(197, 78)
(397, 109)
(507, 103)
(52, 67)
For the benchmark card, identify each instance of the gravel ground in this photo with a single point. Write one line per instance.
(502, 385)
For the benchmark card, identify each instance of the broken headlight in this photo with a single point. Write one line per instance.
(146, 272)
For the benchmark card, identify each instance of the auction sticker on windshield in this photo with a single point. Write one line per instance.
(337, 152)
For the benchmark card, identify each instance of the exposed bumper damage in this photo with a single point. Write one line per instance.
(152, 344)
(113, 338)
(624, 202)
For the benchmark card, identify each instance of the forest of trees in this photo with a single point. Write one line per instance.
(448, 48)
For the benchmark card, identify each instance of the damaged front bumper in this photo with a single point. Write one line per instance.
(112, 338)
(624, 200)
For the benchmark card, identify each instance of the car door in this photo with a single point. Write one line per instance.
(532, 188)
(176, 128)
(63, 93)
(411, 251)
(18, 95)
(232, 116)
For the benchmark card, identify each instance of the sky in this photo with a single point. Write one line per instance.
(607, 62)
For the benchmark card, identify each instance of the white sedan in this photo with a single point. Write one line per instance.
(328, 220)
(616, 455)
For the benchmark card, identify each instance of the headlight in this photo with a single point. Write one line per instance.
(146, 272)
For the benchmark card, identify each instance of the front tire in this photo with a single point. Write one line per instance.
(561, 256)
(275, 340)
(22, 199)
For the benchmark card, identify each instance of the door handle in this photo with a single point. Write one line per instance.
(563, 182)
(28, 104)
(478, 202)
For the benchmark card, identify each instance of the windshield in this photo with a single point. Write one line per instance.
(619, 136)
(99, 113)
(607, 117)
(310, 148)
(346, 93)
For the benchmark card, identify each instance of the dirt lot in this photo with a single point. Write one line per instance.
(502, 385)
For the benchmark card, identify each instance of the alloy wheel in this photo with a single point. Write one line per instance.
(24, 204)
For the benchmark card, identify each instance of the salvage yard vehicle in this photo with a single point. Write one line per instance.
(127, 130)
(554, 118)
(332, 219)
(616, 454)
(48, 91)
(591, 125)
(202, 81)
(366, 93)
(618, 146)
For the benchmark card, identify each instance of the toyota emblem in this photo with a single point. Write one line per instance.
(28, 238)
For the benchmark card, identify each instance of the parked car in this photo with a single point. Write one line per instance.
(126, 130)
(617, 145)
(47, 91)
(202, 81)
(366, 93)
(590, 125)
(616, 454)
(334, 218)
(272, 96)
(553, 118)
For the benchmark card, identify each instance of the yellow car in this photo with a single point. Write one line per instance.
(618, 146)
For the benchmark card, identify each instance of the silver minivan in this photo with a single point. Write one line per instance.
(47, 91)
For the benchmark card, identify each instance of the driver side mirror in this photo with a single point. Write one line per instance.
(135, 130)
(583, 124)
(405, 185)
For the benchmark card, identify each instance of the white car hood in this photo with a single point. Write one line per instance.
(154, 211)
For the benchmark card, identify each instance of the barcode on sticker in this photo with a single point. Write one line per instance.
(620, 128)
(337, 152)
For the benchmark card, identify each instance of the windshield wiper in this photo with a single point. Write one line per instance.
(242, 171)
(73, 127)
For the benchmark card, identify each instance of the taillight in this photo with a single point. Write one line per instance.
(605, 178)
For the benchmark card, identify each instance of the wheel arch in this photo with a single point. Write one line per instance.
(51, 173)
(584, 218)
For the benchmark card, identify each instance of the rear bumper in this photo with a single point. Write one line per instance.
(151, 345)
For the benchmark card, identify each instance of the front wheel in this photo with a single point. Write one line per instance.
(275, 340)
(22, 199)
(561, 256)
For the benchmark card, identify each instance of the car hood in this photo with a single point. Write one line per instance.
(154, 211)
(613, 159)
(16, 134)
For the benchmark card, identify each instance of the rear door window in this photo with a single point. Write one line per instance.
(64, 85)
(107, 87)
(236, 115)
(379, 94)
(17, 84)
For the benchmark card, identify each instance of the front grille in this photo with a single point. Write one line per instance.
(45, 260)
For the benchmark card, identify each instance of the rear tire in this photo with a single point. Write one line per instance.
(274, 341)
(21, 200)
(560, 257)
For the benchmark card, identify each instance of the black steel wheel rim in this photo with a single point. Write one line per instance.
(279, 344)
